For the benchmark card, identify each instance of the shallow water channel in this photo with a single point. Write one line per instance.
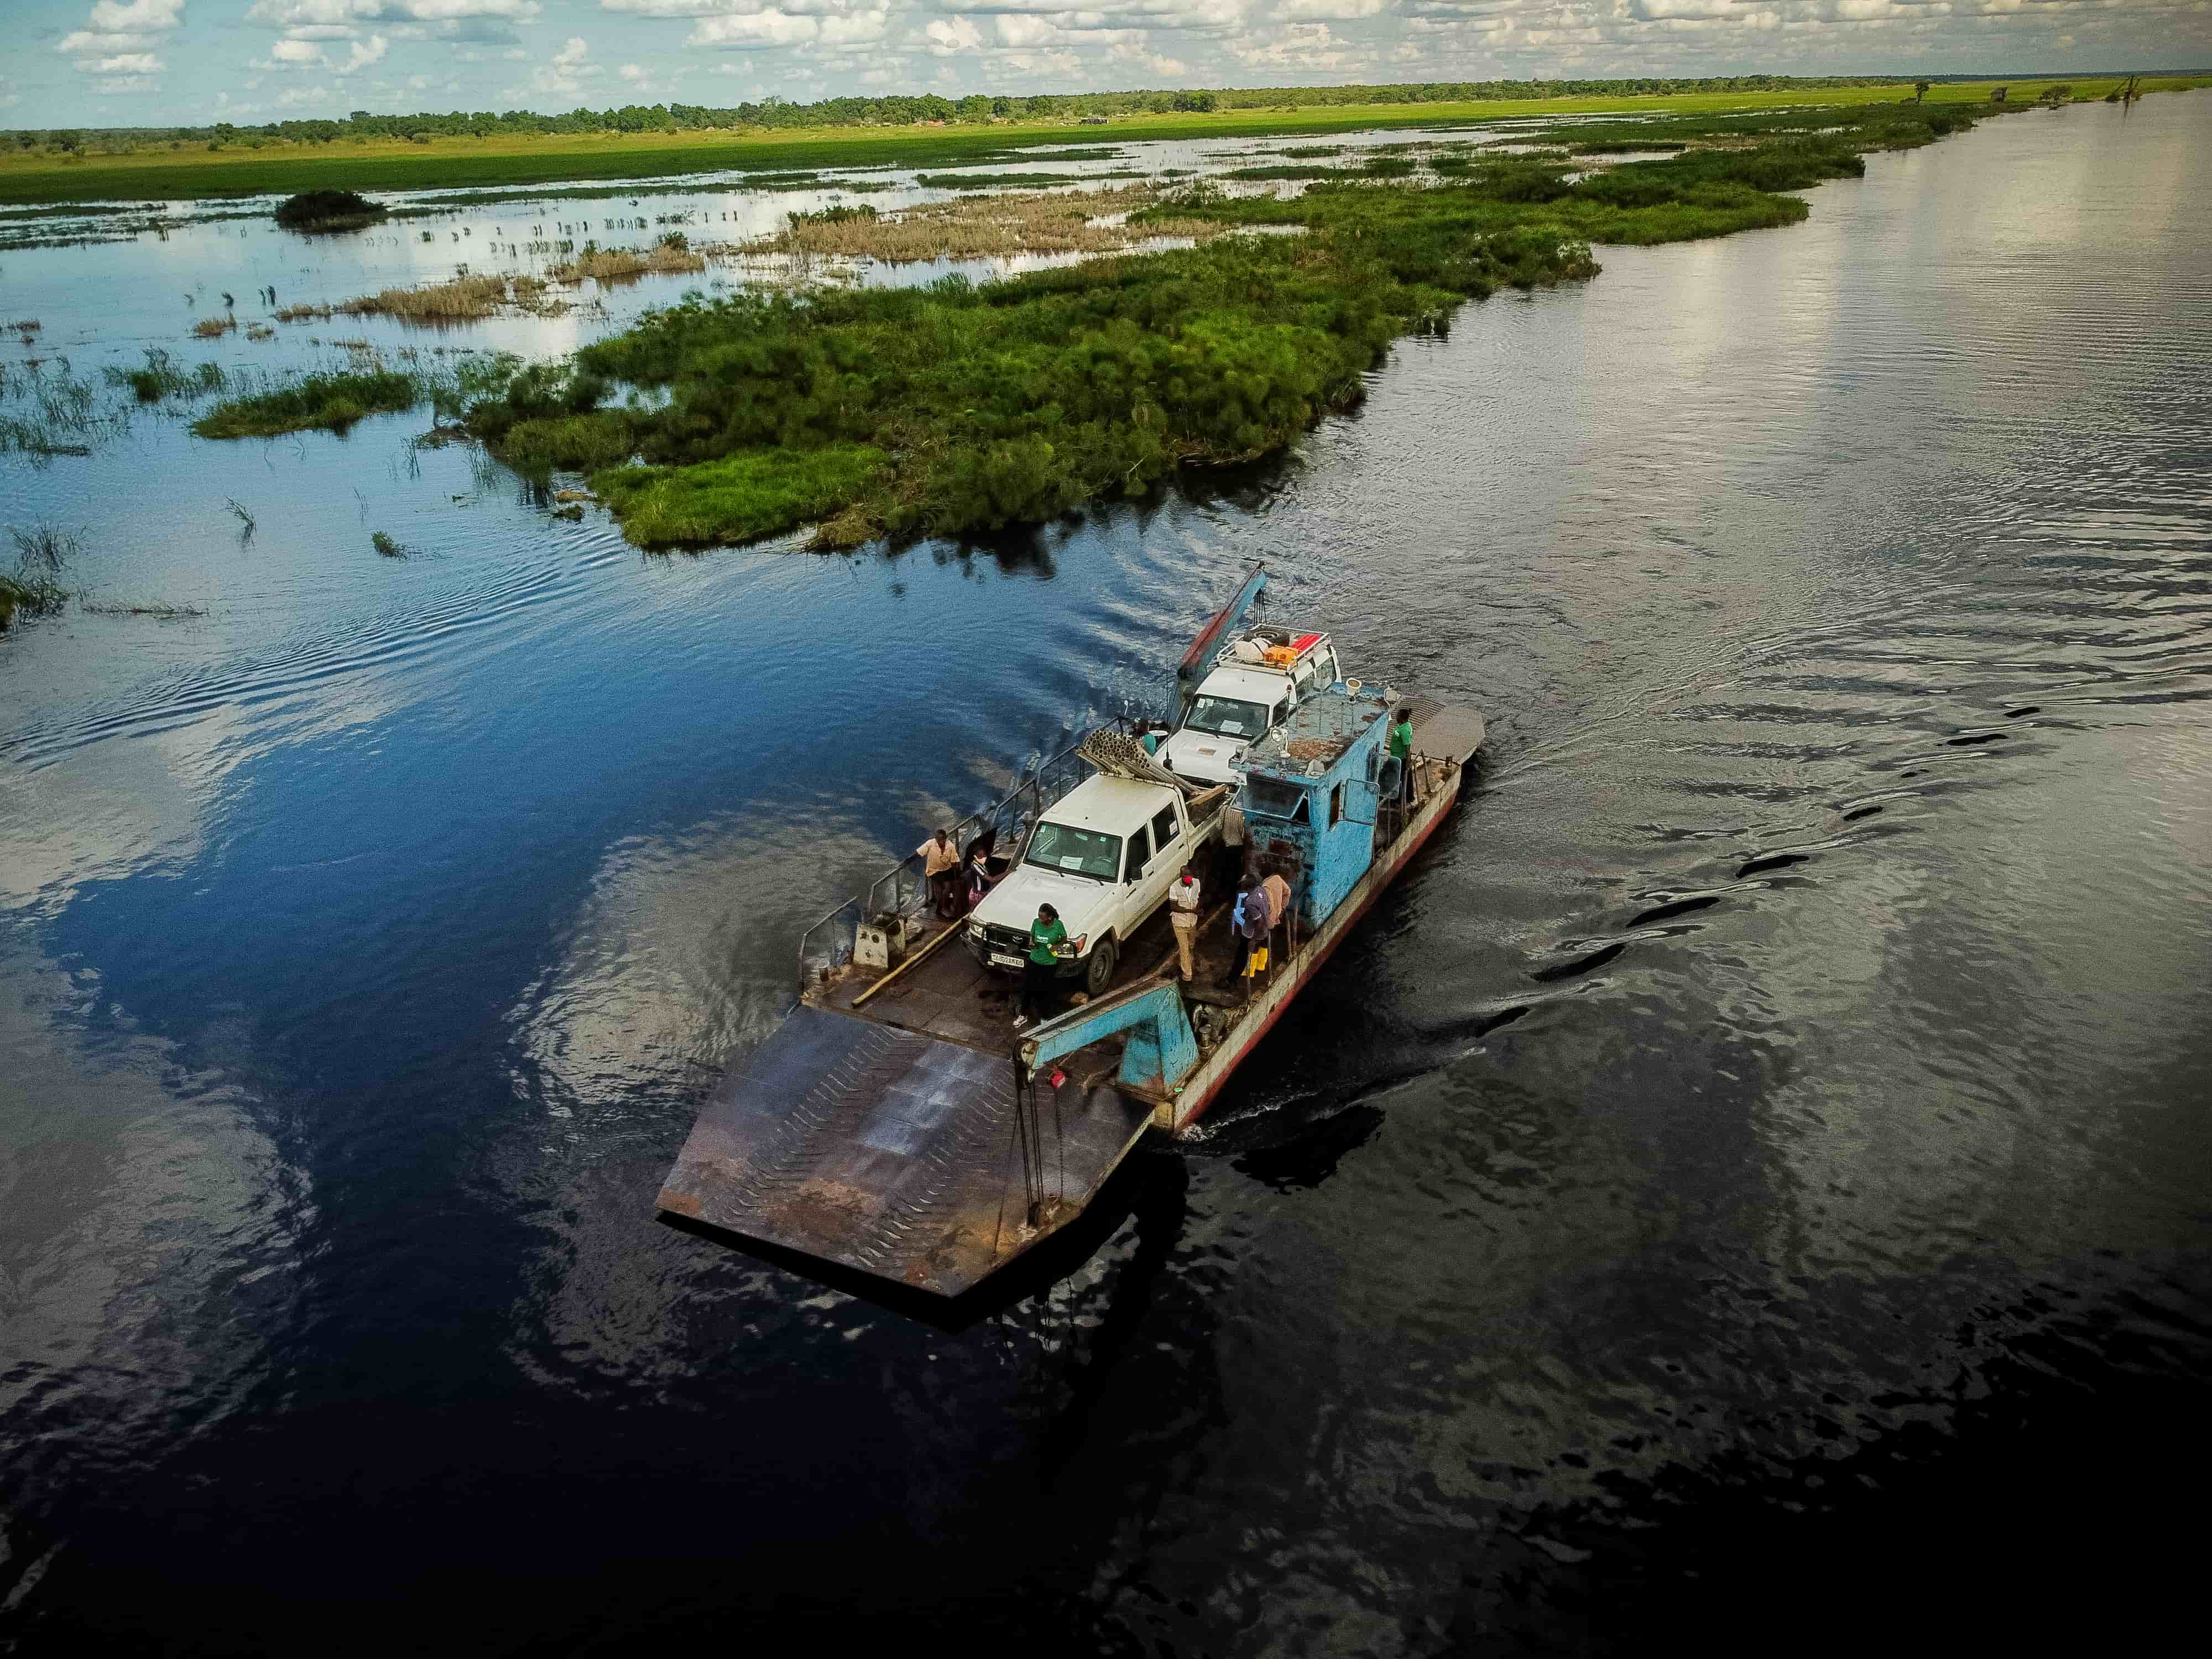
(1759, 1154)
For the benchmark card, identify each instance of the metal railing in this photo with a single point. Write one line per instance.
(902, 891)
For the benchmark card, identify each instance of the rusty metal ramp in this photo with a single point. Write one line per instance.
(888, 1152)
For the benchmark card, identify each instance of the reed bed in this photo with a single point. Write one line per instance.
(985, 228)
(670, 258)
(458, 299)
(213, 328)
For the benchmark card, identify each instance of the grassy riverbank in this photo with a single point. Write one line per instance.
(383, 165)
(956, 408)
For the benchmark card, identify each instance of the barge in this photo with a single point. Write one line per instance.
(905, 1123)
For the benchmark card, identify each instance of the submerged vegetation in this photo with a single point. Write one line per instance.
(161, 379)
(956, 408)
(35, 589)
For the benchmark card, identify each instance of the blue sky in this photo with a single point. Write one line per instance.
(118, 62)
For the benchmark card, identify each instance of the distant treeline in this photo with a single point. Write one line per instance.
(903, 111)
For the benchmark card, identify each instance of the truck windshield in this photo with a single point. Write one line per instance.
(1080, 852)
(1227, 717)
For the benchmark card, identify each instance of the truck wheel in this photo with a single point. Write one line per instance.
(1100, 978)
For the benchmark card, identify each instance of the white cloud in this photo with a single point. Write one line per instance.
(118, 41)
(290, 14)
(137, 16)
(574, 52)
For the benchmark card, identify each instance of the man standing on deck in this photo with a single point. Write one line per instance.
(1279, 905)
(1249, 921)
(1232, 844)
(1038, 973)
(940, 866)
(1401, 745)
(1182, 917)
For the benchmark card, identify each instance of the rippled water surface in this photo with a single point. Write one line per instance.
(1751, 1177)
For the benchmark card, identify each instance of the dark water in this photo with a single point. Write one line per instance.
(1750, 1181)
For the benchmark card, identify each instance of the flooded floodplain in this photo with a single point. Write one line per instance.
(1759, 1154)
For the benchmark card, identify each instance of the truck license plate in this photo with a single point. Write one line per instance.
(1001, 960)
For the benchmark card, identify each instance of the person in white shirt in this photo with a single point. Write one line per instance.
(940, 866)
(1182, 917)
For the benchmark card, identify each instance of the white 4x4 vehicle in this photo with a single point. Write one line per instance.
(1255, 682)
(1103, 856)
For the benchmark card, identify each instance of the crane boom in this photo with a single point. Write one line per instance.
(1192, 669)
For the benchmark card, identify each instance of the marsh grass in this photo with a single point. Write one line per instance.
(956, 408)
(213, 328)
(56, 413)
(1308, 152)
(163, 379)
(457, 300)
(981, 226)
(739, 498)
(325, 401)
(625, 264)
(329, 211)
(388, 548)
(1280, 170)
(997, 180)
(557, 161)
(35, 589)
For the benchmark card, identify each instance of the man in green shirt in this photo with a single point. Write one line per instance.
(1401, 745)
(1042, 968)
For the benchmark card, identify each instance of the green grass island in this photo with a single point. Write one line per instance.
(962, 407)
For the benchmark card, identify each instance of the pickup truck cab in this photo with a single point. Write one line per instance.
(1103, 856)
(1256, 679)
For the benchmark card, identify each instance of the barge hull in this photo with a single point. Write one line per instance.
(1200, 1090)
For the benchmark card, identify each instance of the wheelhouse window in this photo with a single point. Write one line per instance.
(1270, 798)
(1079, 852)
(1227, 717)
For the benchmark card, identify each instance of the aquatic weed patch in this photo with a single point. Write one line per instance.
(739, 498)
(980, 226)
(327, 402)
(989, 406)
(1015, 401)
(163, 379)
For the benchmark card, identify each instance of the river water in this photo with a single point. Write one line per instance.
(1754, 1167)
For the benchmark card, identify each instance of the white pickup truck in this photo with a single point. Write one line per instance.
(1103, 856)
(1256, 681)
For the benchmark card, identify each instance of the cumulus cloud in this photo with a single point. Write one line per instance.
(136, 16)
(116, 42)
